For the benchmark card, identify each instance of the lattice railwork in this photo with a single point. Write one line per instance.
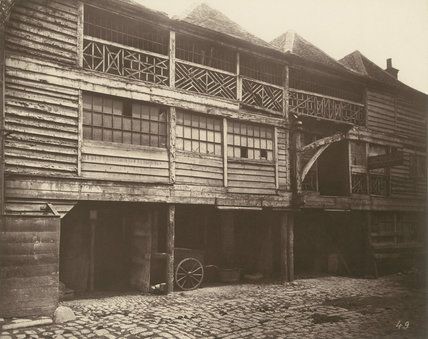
(262, 95)
(310, 182)
(205, 81)
(378, 184)
(359, 183)
(326, 107)
(106, 58)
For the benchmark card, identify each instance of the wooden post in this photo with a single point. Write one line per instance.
(296, 146)
(171, 145)
(275, 156)
(93, 216)
(287, 246)
(170, 235)
(2, 117)
(238, 77)
(284, 251)
(172, 59)
(285, 93)
(80, 25)
(79, 133)
(224, 152)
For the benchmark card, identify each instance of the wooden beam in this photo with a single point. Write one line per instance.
(80, 134)
(324, 141)
(275, 156)
(172, 142)
(286, 93)
(238, 77)
(80, 26)
(225, 152)
(172, 59)
(93, 215)
(170, 236)
(283, 246)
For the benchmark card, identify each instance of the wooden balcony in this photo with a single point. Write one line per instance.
(166, 70)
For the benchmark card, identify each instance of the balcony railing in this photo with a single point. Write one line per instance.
(117, 59)
(324, 107)
(113, 58)
(378, 184)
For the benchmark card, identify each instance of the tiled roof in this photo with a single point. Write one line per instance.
(207, 17)
(293, 43)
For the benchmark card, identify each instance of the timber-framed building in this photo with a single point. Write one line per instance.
(128, 136)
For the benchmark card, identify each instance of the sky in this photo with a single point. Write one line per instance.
(379, 29)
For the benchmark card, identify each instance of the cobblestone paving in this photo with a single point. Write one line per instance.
(330, 307)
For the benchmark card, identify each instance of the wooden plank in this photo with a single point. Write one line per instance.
(170, 236)
(275, 156)
(80, 26)
(172, 59)
(225, 178)
(172, 138)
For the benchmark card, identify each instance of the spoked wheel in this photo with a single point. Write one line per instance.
(189, 274)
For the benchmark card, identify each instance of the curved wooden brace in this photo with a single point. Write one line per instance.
(312, 160)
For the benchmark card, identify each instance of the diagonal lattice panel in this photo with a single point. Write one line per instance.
(262, 95)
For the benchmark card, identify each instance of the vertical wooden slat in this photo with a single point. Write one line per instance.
(80, 23)
(79, 133)
(238, 77)
(297, 156)
(224, 152)
(349, 168)
(290, 246)
(170, 236)
(285, 93)
(275, 156)
(172, 140)
(171, 59)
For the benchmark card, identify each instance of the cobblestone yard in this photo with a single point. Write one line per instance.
(329, 307)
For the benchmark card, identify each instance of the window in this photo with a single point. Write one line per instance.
(124, 121)
(358, 153)
(198, 133)
(249, 141)
(262, 69)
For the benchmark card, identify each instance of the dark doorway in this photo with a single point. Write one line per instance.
(333, 170)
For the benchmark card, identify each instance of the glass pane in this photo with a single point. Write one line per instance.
(179, 131)
(210, 123)
(269, 155)
(230, 127)
(203, 135)
(217, 125)
(268, 133)
(136, 138)
(236, 128)
(97, 119)
(256, 143)
(87, 132)
(187, 121)
(145, 126)
(217, 137)
(203, 147)
(107, 135)
(217, 149)
(263, 143)
(180, 118)
(126, 137)
(154, 113)
(269, 144)
(162, 128)
(97, 133)
(187, 145)
(250, 142)
(179, 143)
(250, 130)
(162, 115)
(210, 148)
(97, 104)
(250, 153)
(195, 120)
(117, 122)
(195, 146)
(230, 151)
(107, 105)
(136, 110)
(145, 139)
(187, 132)
(236, 140)
(203, 122)
(210, 136)
(87, 116)
(117, 107)
(256, 154)
(154, 140)
(256, 131)
(107, 120)
(136, 125)
(243, 129)
(243, 141)
(237, 152)
(230, 139)
(195, 134)
(87, 102)
(263, 132)
(127, 124)
(154, 128)
(117, 136)
(145, 112)
(162, 141)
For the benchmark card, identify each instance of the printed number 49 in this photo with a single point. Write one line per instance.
(402, 326)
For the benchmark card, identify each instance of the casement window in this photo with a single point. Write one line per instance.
(199, 133)
(124, 121)
(249, 141)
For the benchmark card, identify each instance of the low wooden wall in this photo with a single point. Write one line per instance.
(29, 250)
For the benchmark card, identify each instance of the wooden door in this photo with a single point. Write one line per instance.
(140, 248)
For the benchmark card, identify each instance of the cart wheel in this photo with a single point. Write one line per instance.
(189, 274)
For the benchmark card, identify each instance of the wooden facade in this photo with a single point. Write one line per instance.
(119, 107)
